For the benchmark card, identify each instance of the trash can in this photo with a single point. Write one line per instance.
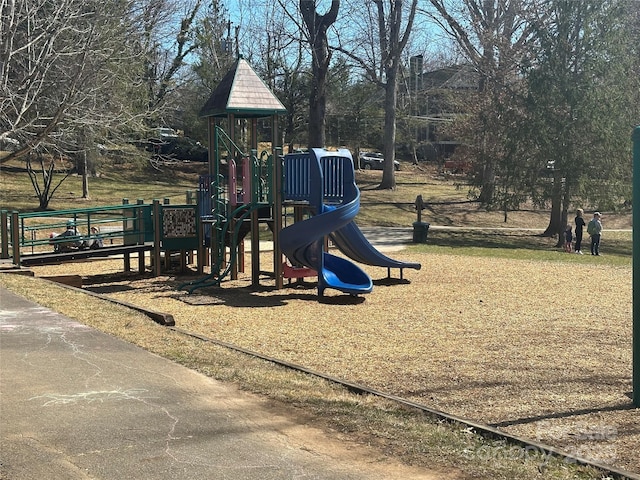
(420, 231)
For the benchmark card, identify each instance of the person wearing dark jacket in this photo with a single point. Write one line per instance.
(580, 224)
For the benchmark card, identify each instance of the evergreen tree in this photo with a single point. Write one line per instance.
(578, 104)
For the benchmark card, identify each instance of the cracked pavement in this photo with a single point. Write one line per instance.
(76, 403)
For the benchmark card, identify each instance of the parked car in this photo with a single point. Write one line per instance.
(374, 161)
(165, 132)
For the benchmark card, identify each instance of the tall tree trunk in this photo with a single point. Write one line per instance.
(555, 218)
(317, 26)
(488, 170)
(389, 137)
(487, 162)
(85, 174)
(392, 42)
(317, 109)
(564, 220)
(488, 186)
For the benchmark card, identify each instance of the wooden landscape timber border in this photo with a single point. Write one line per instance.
(487, 431)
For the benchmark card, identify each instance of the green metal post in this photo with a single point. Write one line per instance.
(636, 267)
(276, 150)
(4, 233)
(157, 238)
(15, 238)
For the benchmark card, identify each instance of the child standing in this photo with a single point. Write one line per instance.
(568, 238)
(594, 229)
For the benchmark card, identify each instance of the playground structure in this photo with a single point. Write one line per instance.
(320, 188)
(243, 190)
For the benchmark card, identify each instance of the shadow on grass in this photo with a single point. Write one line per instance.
(489, 239)
(341, 300)
(514, 240)
(250, 297)
(241, 296)
(390, 281)
(109, 289)
(567, 414)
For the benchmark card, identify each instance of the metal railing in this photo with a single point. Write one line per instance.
(38, 232)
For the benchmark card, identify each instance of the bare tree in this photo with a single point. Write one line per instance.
(216, 48)
(41, 69)
(317, 26)
(493, 36)
(286, 75)
(64, 66)
(72, 72)
(394, 36)
(281, 58)
(165, 31)
(43, 176)
(382, 65)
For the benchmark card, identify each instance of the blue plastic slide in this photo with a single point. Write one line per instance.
(351, 241)
(303, 241)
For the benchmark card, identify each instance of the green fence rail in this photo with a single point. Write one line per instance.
(36, 232)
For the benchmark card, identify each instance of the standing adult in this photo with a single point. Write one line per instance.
(594, 229)
(580, 224)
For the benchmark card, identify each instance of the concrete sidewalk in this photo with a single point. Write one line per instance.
(79, 404)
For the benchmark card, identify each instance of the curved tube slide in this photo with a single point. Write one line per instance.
(303, 241)
(351, 241)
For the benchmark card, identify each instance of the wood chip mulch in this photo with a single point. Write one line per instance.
(541, 350)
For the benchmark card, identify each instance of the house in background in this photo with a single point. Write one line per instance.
(437, 97)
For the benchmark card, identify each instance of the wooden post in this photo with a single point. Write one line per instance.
(636, 268)
(202, 249)
(419, 207)
(127, 257)
(255, 214)
(167, 260)
(183, 261)
(233, 251)
(140, 216)
(240, 258)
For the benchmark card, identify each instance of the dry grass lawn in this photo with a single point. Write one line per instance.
(539, 349)
(538, 345)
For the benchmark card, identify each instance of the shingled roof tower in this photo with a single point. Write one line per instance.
(242, 98)
(243, 94)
